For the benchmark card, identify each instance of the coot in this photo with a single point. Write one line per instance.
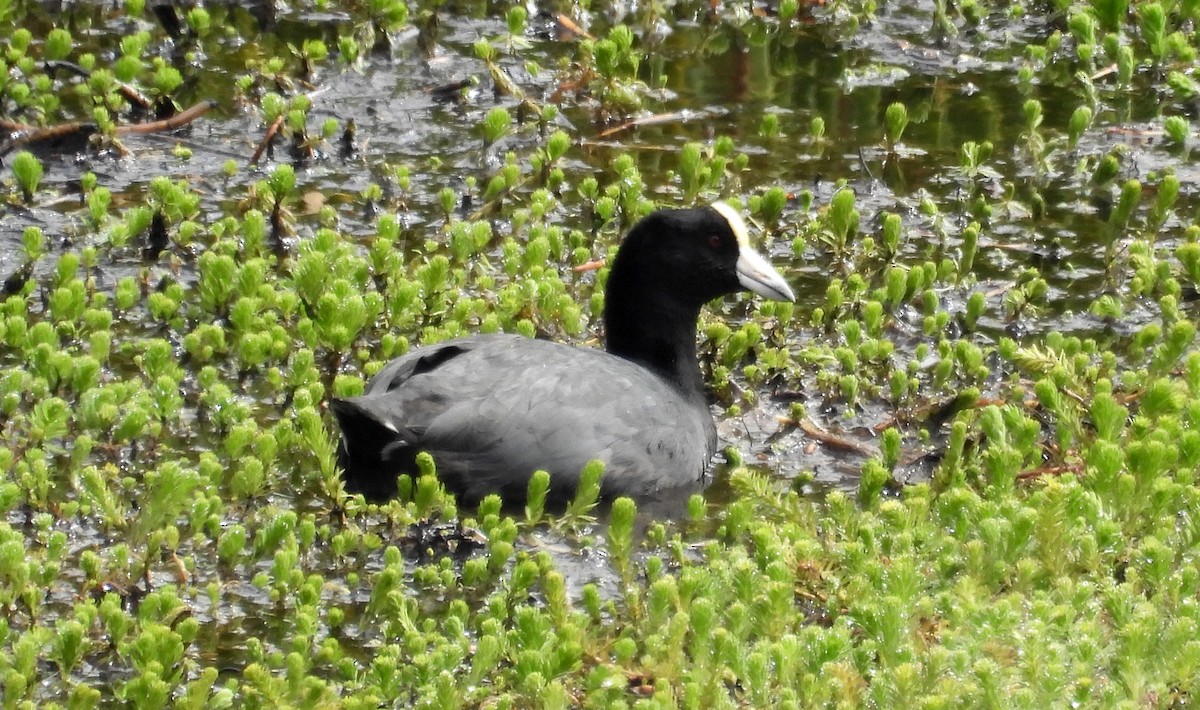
(492, 409)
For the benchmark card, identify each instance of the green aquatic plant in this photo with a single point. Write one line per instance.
(131, 63)
(1034, 142)
(27, 170)
(1080, 121)
(1109, 13)
(587, 494)
(545, 162)
(1184, 86)
(349, 50)
(842, 221)
(199, 21)
(514, 21)
(769, 206)
(58, 45)
(610, 67)
(895, 122)
(1118, 219)
(1177, 129)
(310, 53)
(769, 126)
(496, 124)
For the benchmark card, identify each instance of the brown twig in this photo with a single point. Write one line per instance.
(179, 120)
(655, 120)
(1076, 468)
(449, 92)
(503, 83)
(31, 134)
(27, 135)
(587, 143)
(829, 439)
(8, 124)
(50, 132)
(579, 83)
(570, 27)
(589, 266)
(262, 147)
(937, 411)
(1000, 290)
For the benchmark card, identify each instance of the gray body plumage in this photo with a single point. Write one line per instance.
(492, 409)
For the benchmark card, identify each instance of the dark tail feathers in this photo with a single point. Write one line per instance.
(371, 453)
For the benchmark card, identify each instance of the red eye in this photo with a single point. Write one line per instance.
(714, 241)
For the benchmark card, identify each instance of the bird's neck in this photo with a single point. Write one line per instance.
(659, 336)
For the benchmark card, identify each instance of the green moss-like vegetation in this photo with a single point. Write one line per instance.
(964, 464)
